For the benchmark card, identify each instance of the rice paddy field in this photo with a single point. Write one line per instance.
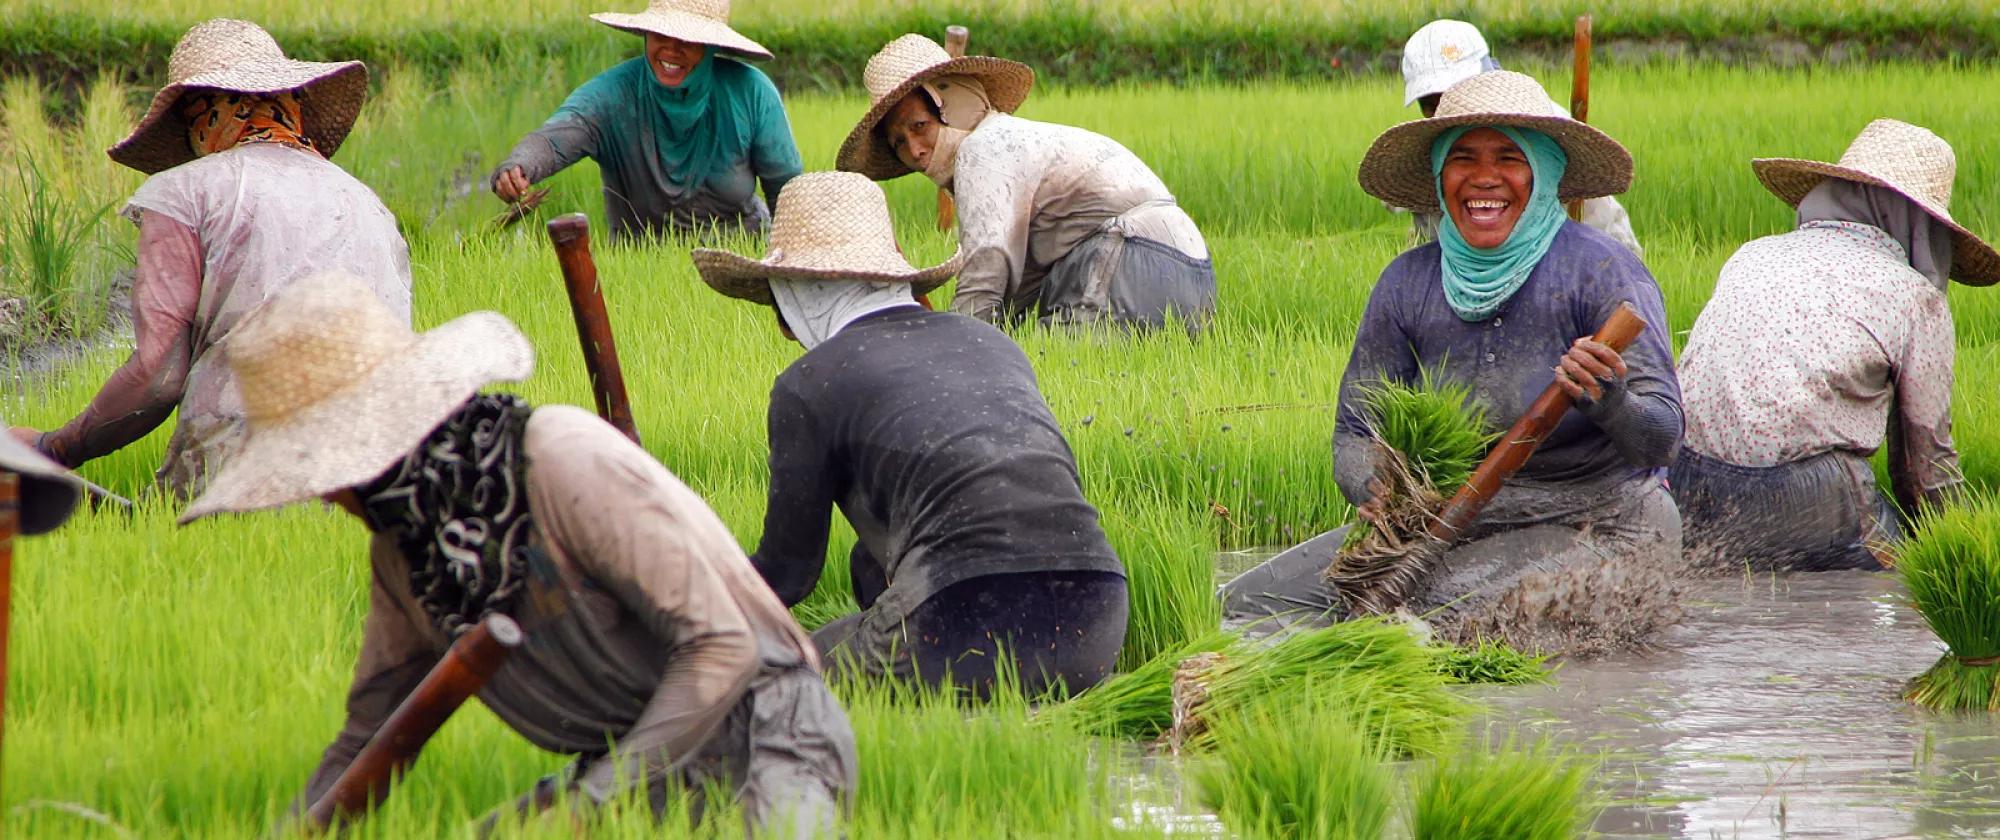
(181, 681)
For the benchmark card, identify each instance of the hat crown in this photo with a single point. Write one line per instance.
(1498, 92)
(715, 10)
(1912, 157)
(216, 45)
(823, 212)
(308, 343)
(896, 63)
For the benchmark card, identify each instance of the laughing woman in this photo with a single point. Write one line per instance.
(1578, 551)
(682, 134)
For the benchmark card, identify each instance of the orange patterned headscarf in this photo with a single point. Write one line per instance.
(220, 120)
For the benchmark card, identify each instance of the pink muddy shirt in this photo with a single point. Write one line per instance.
(1810, 340)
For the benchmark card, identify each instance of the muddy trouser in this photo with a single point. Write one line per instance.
(1814, 514)
(1129, 280)
(1597, 576)
(1054, 627)
(786, 752)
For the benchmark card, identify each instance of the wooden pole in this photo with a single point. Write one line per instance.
(1579, 89)
(955, 38)
(571, 236)
(10, 525)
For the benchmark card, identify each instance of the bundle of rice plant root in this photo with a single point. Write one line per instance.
(1429, 437)
(1951, 567)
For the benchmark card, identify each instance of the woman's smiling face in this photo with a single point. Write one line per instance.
(1486, 181)
(672, 59)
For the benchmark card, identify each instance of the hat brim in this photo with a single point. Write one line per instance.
(1973, 262)
(746, 279)
(334, 92)
(1007, 85)
(1397, 168)
(686, 27)
(353, 435)
(48, 493)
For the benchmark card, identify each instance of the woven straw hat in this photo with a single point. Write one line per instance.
(49, 493)
(1906, 158)
(899, 68)
(336, 389)
(1397, 168)
(240, 57)
(699, 21)
(828, 226)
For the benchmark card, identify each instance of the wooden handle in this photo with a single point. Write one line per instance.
(1618, 333)
(10, 525)
(463, 671)
(1579, 89)
(571, 236)
(955, 39)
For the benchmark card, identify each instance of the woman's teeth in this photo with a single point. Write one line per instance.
(1485, 208)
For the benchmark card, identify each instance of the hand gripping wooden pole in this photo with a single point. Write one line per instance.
(10, 525)
(465, 668)
(1513, 450)
(571, 236)
(955, 38)
(1579, 90)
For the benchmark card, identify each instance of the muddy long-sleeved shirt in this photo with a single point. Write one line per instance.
(1028, 192)
(217, 236)
(1508, 359)
(1825, 339)
(928, 431)
(641, 193)
(644, 630)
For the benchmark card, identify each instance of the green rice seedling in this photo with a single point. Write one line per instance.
(1284, 769)
(1531, 793)
(1951, 567)
(1137, 703)
(1489, 662)
(1431, 435)
(46, 234)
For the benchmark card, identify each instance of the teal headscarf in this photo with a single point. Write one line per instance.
(1477, 281)
(699, 129)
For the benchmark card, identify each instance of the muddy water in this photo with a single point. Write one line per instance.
(1773, 711)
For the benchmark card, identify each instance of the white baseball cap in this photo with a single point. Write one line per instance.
(1441, 54)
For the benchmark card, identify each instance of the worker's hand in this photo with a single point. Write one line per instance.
(1587, 368)
(510, 184)
(27, 436)
(1378, 498)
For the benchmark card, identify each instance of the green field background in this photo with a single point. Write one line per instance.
(181, 681)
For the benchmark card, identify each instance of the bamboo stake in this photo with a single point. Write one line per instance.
(1579, 90)
(10, 522)
(955, 38)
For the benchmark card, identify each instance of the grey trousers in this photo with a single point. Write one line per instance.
(787, 753)
(1587, 581)
(1815, 514)
(1130, 281)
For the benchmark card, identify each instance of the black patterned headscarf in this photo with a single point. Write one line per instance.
(457, 507)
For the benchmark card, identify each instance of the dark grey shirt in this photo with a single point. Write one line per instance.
(928, 430)
(1508, 360)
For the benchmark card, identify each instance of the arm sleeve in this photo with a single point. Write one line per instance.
(1381, 352)
(995, 201)
(774, 153)
(1923, 463)
(394, 659)
(792, 552)
(1641, 414)
(640, 541)
(569, 135)
(142, 393)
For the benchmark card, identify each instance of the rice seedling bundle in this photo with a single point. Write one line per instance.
(1488, 662)
(1286, 770)
(1534, 793)
(1951, 567)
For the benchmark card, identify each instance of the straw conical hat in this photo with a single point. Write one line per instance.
(1909, 159)
(699, 21)
(240, 57)
(336, 389)
(48, 493)
(899, 68)
(828, 226)
(1397, 168)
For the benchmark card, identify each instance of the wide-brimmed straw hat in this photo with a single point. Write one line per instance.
(1908, 159)
(336, 389)
(828, 226)
(48, 493)
(1397, 168)
(698, 21)
(899, 68)
(240, 57)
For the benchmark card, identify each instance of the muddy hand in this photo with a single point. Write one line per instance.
(1378, 498)
(26, 436)
(1587, 368)
(510, 184)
